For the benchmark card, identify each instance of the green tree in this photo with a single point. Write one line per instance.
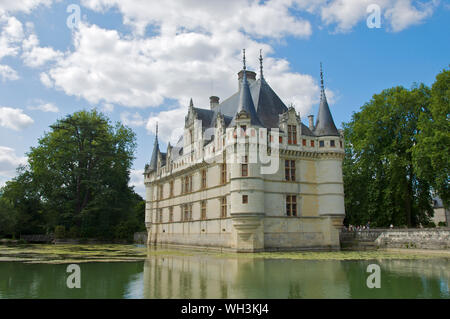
(432, 152)
(379, 176)
(21, 204)
(78, 177)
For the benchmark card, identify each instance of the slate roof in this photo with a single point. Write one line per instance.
(264, 106)
(246, 104)
(324, 124)
(154, 159)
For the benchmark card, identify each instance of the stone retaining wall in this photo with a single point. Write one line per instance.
(428, 238)
(140, 238)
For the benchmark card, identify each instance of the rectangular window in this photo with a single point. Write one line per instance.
(223, 176)
(280, 139)
(291, 205)
(244, 199)
(244, 166)
(160, 192)
(340, 142)
(171, 214)
(185, 212)
(223, 207)
(203, 215)
(186, 184)
(332, 143)
(304, 142)
(321, 143)
(171, 188)
(292, 134)
(312, 143)
(289, 170)
(204, 179)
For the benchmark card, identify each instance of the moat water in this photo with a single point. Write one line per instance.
(215, 276)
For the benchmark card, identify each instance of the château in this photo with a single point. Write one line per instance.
(247, 175)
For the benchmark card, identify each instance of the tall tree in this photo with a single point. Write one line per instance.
(432, 152)
(380, 181)
(80, 172)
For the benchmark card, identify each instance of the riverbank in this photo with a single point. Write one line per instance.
(64, 254)
(409, 238)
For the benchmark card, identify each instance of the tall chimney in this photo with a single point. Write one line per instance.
(311, 122)
(251, 77)
(213, 102)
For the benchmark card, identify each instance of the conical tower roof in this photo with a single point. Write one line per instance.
(324, 125)
(246, 101)
(154, 160)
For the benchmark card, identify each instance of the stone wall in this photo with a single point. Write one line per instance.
(37, 238)
(427, 238)
(140, 238)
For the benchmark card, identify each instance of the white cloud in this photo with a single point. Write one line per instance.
(398, 14)
(22, 6)
(14, 118)
(107, 108)
(10, 36)
(132, 119)
(44, 107)
(9, 161)
(404, 14)
(45, 79)
(162, 67)
(8, 73)
(137, 180)
(170, 124)
(35, 56)
(271, 18)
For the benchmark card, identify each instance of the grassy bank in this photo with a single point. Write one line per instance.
(125, 253)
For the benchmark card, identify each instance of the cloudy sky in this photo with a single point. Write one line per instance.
(141, 61)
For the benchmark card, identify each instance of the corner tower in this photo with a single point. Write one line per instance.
(330, 186)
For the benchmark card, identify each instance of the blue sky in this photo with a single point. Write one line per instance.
(141, 61)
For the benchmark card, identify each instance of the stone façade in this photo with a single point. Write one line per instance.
(209, 191)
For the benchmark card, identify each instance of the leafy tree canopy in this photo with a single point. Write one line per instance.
(77, 177)
(397, 155)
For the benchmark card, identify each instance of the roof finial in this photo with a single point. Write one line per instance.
(321, 78)
(191, 103)
(156, 135)
(243, 59)
(261, 64)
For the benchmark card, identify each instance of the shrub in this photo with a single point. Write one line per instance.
(125, 230)
(60, 231)
(74, 232)
(442, 224)
(430, 225)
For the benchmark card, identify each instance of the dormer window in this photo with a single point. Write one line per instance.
(243, 129)
(292, 134)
